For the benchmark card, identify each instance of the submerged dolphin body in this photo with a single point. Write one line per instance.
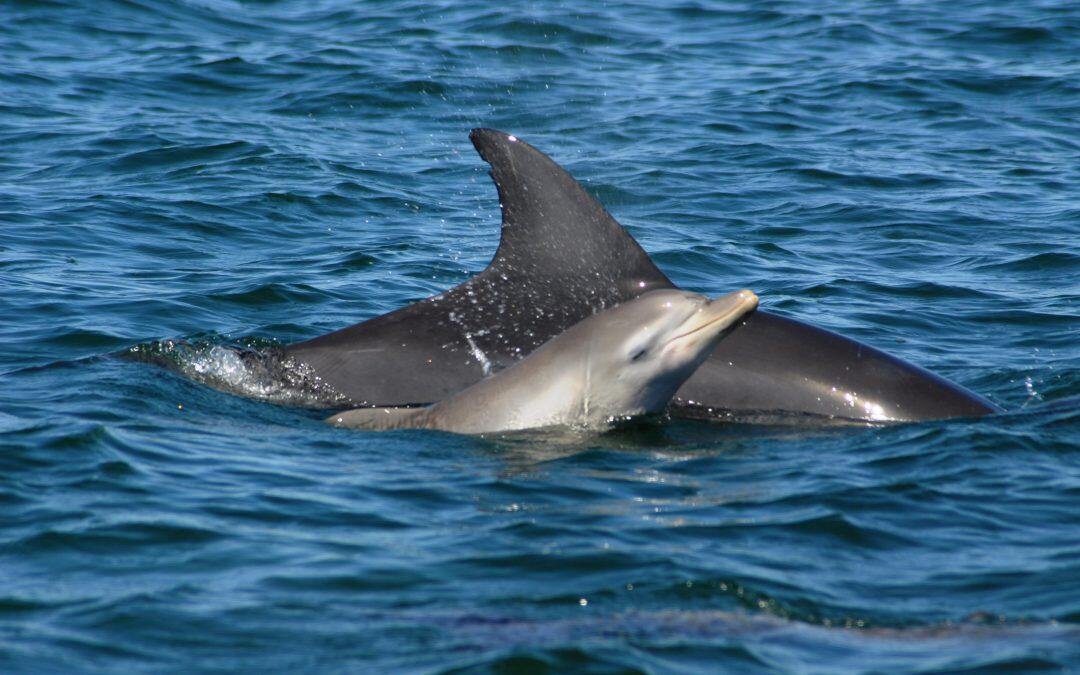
(625, 361)
(561, 258)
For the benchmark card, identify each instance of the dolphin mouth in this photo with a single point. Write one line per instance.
(725, 310)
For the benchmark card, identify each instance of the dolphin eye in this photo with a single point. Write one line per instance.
(640, 353)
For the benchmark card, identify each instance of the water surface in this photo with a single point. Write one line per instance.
(263, 172)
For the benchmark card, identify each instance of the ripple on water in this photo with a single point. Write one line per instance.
(174, 175)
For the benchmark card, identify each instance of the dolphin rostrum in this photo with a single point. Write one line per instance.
(625, 361)
(561, 258)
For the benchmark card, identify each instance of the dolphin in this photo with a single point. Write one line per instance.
(625, 361)
(561, 258)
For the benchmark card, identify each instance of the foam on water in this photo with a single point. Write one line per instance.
(263, 374)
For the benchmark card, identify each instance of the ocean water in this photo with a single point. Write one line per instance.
(181, 175)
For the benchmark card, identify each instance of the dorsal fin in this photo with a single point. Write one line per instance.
(552, 227)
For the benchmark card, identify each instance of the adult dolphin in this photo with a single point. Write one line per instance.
(622, 362)
(563, 257)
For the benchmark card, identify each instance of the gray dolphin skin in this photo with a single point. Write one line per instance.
(561, 258)
(625, 361)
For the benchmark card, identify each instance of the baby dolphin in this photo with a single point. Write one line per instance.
(624, 361)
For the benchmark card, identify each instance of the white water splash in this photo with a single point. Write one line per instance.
(1032, 393)
(260, 374)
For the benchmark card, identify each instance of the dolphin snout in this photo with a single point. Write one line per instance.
(719, 314)
(731, 306)
(748, 297)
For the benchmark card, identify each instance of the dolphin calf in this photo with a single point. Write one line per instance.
(625, 361)
(561, 258)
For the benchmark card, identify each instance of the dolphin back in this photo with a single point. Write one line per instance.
(561, 258)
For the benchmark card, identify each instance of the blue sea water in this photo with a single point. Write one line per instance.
(210, 172)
